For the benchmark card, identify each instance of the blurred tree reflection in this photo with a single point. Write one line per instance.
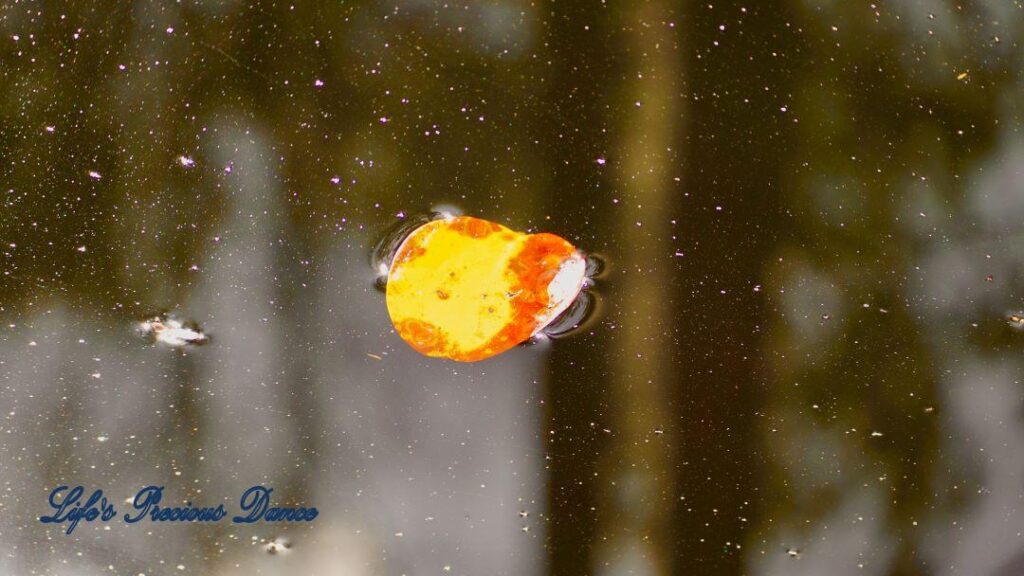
(886, 128)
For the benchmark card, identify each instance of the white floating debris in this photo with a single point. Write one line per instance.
(102, 438)
(318, 83)
(173, 332)
(186, 162)
(278, 546)
(95, 175)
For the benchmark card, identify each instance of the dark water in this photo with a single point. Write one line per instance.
(812, 215)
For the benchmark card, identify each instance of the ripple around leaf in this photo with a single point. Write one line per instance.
(576, 316)
(385, 249)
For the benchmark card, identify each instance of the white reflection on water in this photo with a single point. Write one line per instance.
(286, 396)
(850, 541)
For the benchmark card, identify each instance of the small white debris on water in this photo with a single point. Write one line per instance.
(278, 546)
(186, 162)
(80, 248)
(318, 83)
(51, 129)
(876, 434)
(172, 332)
(102, 438)
(95, 175)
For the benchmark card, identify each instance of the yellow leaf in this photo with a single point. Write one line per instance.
(467, 289)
